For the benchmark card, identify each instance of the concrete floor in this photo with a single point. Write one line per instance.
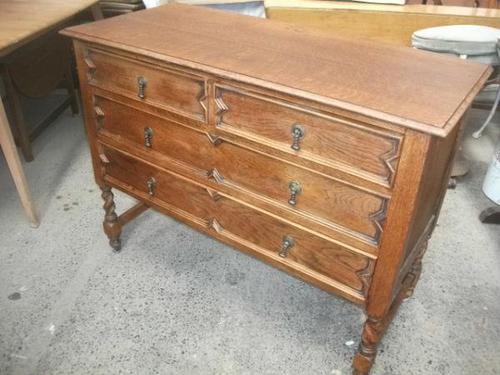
(177, 302)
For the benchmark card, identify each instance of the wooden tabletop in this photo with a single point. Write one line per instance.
(23, 20)
(420, 90)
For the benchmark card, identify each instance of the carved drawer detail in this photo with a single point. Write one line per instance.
(166, 88)
(240, 223)
(341, 144)
(328, 202)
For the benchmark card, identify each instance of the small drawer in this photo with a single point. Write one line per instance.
(267, 234)
(176, 91)
(308, 134)
(331, 203)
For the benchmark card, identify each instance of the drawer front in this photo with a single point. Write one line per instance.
(332, 203)
(175, 91)
(242, 223)
(309, 134)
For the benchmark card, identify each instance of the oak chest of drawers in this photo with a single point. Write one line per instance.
(325, 158)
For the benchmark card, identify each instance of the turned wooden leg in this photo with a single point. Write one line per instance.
(373, 330)
(111, 224)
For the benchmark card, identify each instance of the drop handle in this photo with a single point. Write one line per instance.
(298, 133)
(286, 245)
(141, 87)
(151, 184)
(295, 189)
(148, 137)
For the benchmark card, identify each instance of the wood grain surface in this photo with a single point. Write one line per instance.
(326, 140)
(309, 64)
(330, 203)
(377, 23)
(240, 221)
(168, 89)
(206, 138)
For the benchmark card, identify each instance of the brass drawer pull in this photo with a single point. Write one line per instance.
(298, 132)
(141, 87)
(148, 137)
(151, 185)
(286, 245)
(295, 189)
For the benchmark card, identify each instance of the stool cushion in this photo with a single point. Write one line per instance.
(471, 40)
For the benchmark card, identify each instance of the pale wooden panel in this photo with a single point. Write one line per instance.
(392, 24)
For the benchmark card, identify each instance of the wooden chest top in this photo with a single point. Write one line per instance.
(415, 89)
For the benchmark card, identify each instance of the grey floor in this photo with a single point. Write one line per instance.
(177, 302)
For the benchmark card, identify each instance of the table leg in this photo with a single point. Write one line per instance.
(70, 83)
(16, 169)
(13, 97)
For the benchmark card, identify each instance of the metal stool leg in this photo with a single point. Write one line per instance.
(477, 134)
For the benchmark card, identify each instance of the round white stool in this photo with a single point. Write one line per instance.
(472, 42)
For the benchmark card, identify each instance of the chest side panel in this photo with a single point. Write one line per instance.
(433, 188)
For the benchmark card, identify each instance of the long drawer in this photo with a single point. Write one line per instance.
(292, 245)
(307, 133)
(332, 203)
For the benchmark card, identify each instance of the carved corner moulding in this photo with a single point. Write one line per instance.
(390, 159)
(213, 194)
(91, 67)
(102, 157)
(203, 100)
(221, 107)
(98, 113)
(365, 276)
(215, 225)
(214, 139)
(214, 174)
(378, 220)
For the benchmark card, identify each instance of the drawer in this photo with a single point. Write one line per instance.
(169, 89)
(240, 223)
(331, 203)
(309, 134)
